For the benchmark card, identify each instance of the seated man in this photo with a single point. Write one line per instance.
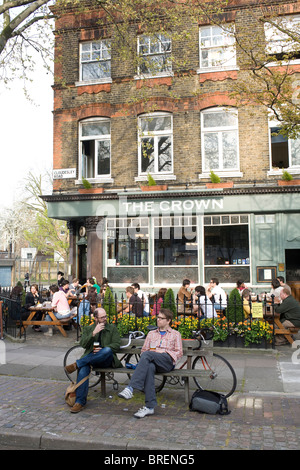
(107, 335)
(216, 293)
(134, 303)
(160, 352)
(289, 311)
(61, 304)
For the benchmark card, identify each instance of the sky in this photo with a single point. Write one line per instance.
(26, 134)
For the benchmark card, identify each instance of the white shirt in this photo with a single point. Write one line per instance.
(207, 307)
(145, 299)
(217, 292)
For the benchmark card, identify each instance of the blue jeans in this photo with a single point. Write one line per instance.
(219, 307)
(103, 358)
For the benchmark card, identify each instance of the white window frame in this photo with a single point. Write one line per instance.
(156, 38)
(166, 175)
(81, 62)
(96, 138)
(223, 172)
(277, 42)
(228, 41)
(292, 169)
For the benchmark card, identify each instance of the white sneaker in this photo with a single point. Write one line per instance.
(126, 393)
(144, 412)
(49, 332)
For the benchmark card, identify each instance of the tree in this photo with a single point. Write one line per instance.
(234, 310)
(45, 234)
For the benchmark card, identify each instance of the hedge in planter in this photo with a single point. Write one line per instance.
(169, 302)
(234, 310)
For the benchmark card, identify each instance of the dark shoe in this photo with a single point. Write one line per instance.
(71, 368)
(76, 408)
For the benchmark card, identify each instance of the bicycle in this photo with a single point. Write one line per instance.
(76, 352)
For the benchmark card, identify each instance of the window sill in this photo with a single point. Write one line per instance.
(106, 179)
(158, 75)
(222, 174)
(156, 177)
(292, 171)
(93, 82)
(217, 69)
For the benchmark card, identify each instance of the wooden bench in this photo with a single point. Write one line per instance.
(186, 374)
(285, 331)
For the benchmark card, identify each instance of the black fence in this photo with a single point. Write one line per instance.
(239, 322)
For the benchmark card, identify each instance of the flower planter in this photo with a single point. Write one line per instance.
(220, 185)
(288, 183)
(157, 187)
(91, 190)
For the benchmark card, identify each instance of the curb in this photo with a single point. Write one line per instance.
(51, 441)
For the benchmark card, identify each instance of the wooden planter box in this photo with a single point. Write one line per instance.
(288, 183)
(220, 185)
(90, 190)
(157, 187)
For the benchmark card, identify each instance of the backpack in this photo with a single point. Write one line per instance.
(205, 401)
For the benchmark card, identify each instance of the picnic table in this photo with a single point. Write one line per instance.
(44, 310)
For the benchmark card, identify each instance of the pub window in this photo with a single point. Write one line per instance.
(226, 248)
(127, 242)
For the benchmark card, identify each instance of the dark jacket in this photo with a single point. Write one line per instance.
(110, 338)
(289, 309)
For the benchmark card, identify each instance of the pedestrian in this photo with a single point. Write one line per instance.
(104, 355)
(160, 352)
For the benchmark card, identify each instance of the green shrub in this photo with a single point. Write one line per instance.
(286, 176)
(109, 304)
(169, 302)
(214, 178)
(234, 310)
(151, 180)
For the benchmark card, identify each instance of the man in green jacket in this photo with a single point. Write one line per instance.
(102, 356)
(289, 311)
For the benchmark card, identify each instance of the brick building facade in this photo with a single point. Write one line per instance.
(115, 122)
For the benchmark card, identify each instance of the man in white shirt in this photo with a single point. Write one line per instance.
(215, 291)
(142, 295)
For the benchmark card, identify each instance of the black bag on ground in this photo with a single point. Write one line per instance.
(212, 403)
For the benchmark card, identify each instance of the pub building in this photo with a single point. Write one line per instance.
(248, 229)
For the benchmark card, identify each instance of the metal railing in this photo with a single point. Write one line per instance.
(229, 325)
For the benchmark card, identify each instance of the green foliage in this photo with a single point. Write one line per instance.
(151, 180)
(234, 310)
(169, 302)
(214, 178)
(86, 184)
(286, 176)
(109, 304)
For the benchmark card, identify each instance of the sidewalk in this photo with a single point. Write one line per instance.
(264, 409)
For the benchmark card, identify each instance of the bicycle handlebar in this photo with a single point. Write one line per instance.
(133, 335)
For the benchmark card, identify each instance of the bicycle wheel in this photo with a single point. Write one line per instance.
(159, 380)
(70, 357)
(218, 374)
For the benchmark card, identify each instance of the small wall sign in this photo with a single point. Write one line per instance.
(63, 173)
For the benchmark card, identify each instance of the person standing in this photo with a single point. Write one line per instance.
(108, 337)
(161, 350)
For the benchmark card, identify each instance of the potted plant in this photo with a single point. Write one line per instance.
(169, 302)
(152, 186)
(88, 188)
(287, 180)
(216, 182)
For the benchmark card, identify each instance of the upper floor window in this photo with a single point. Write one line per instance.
(155, 144)
(95, 148)
(219, 138)
(154, 55)
(282, 37)
(95, 60)
(285, 153)
(217, 47)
